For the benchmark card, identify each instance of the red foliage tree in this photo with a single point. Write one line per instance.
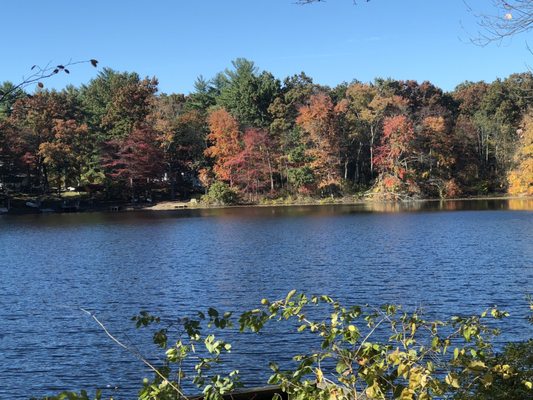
(392, 154)
(136, 160)
(252, 166)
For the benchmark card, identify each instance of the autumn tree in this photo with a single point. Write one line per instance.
(35, 119)
(224, 135)
(294, 93)
(65, 155)
(135, 162)
(318, 121)
(436, 157)
(394, 158)
(253, 171)
(368, 106)
(521, 176)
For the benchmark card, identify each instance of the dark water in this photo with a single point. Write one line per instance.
(462, 260)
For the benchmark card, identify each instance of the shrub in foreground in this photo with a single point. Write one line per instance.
(365, 353)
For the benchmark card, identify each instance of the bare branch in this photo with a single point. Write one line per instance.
(38, 74)
(510, 18)
(135, 353)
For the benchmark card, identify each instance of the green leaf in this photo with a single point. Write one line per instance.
(290, 295)
(341, 367)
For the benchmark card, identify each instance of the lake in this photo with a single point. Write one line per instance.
(452, 257)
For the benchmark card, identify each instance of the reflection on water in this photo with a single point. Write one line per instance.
(520, 204)
(517, 204)
(178, 262)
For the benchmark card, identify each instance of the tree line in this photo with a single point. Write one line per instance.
(251, 135)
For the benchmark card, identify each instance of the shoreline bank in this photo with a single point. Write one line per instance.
(175, 205)
(54, 207)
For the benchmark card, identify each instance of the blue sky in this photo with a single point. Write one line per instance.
(332, 42)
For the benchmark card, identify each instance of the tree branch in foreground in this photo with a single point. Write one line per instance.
(38, 74)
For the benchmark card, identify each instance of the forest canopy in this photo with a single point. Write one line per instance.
(249, 135)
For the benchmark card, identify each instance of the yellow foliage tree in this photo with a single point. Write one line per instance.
(521, 178)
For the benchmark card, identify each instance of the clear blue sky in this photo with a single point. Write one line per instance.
(335, 41)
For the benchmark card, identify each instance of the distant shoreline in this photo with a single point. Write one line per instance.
(177, 205)
(54, 207)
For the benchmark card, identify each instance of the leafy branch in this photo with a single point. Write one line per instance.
(365, 353)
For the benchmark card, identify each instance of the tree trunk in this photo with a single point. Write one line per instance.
(372, 133)
(172, 177)
(270, 173)
(357, 162)
(345, 170)
(44, 178)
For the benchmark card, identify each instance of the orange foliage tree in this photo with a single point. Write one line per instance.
(66, 153)
(224, 136)
(436, 158)
(318, 120)
(394, 157)
(36, 120)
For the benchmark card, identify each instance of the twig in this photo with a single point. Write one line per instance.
(113, 338)
(40, 74)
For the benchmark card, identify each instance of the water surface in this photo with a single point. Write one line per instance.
(453, 257)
